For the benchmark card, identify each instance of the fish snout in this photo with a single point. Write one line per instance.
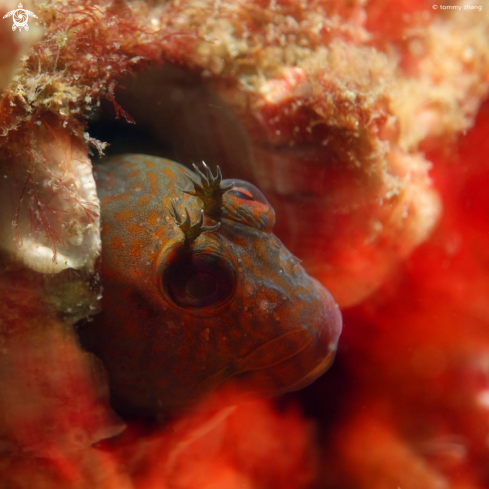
(292, 360)
(301, 355)
(322, 336)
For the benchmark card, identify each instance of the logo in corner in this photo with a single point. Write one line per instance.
(20, 17)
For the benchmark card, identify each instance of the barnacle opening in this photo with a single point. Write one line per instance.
(177, 116)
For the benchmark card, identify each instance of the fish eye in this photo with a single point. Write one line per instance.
(199, 280)
(246, 204)
(246, 191)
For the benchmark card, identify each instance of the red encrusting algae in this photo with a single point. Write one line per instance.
(417, 352)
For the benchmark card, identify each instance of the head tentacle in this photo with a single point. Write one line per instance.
(190, 231)
(209, 190)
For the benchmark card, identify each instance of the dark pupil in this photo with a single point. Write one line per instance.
(241, 194)
(202, 285)
(197, 281)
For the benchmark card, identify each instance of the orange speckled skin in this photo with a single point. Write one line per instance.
(276, 331)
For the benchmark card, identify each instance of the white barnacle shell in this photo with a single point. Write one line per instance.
(49, 207)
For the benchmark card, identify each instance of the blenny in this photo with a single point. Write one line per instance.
(198, 291)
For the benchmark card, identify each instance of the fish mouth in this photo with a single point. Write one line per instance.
(311, 376)
(287, 363)
(292, 374)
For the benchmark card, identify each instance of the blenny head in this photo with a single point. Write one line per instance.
(213, 297)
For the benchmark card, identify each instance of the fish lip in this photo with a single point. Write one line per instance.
(229, 373)
(311, 376)
(308, 378)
